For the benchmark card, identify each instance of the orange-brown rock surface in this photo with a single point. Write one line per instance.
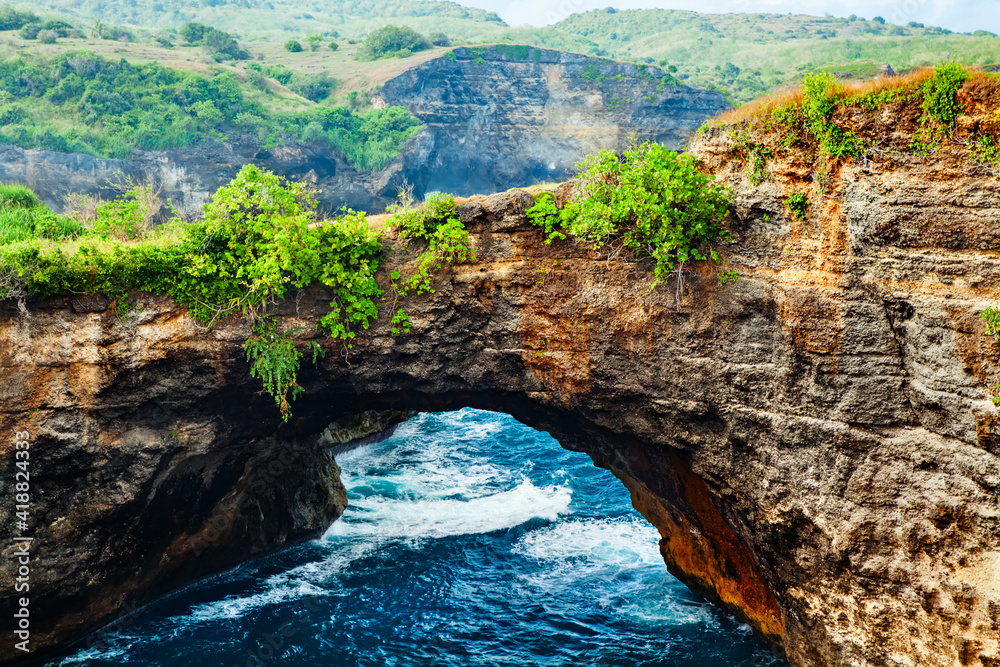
(815, 442)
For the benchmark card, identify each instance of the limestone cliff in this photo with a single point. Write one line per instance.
(815, 442)
(508, 116)
(188, 177)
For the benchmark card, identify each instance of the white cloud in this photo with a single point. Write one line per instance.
(958, 15)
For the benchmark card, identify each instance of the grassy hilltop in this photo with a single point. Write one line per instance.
(743, 55)
(748, 55)
(253, 19)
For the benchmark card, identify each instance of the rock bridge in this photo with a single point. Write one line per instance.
(815, 442)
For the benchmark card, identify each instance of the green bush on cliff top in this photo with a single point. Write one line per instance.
(23, 216)
(650, 202)
(392, 41)
(258, 241)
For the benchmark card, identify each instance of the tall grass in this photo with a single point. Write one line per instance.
(23, 216)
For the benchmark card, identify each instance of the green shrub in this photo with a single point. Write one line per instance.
(193, 33)
(514, 51)
(80, 102)
(755, 155)
(650, 201)
(986, 151)
(279, 73)
(392, 41)
(215, 41)
(315, 87)
(275, 361)
(61, 28)
(370, 140)
(992, 317)
(258, 240)
(314, 41)
(23, 217)
(437, 223)
(30, 31)
(13, 19)
(820, 103)
(15, 195)
(797, 205)
(333, 46)
(546, 215)
(939, 93)
(293, 46)
(439, 39)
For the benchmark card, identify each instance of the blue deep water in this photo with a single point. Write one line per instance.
(470, 539)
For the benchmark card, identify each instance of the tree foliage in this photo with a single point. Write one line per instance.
(82, 103)
(392, 41)
(649, 201)
(258, 241)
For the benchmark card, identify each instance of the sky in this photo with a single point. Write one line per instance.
(957, 15)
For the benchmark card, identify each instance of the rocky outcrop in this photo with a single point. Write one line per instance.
(509, 116)
(815, 442)
(187, 178)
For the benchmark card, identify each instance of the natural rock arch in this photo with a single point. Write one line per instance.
(810, 440)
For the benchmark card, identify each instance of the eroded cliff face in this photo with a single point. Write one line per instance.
(815, 442)
(509, 116)
(187, 178)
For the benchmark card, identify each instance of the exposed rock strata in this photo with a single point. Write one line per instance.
(187, 178)
(815, 441)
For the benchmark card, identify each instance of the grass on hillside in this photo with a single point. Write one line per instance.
(907, 118)
(23, 216)
(748, 55)
(280, 20)
(341, 64)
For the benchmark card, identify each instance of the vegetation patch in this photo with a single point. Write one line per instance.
(797, 205)
(650, 203)
(986, 151)
(827, 118)
(436, 223)
(79, 102)
(514, 51)
(220, 44)
(392, 41)
(820, 102)
(23, 216)
(258, 241)
(275, 359)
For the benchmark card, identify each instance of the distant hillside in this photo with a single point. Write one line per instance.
(262, 18)
(741, 55)
(748, 55)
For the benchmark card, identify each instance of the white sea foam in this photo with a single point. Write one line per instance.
(435, 517)
(621, 542)
(580, 556)
(416, 490)
(278, 589)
